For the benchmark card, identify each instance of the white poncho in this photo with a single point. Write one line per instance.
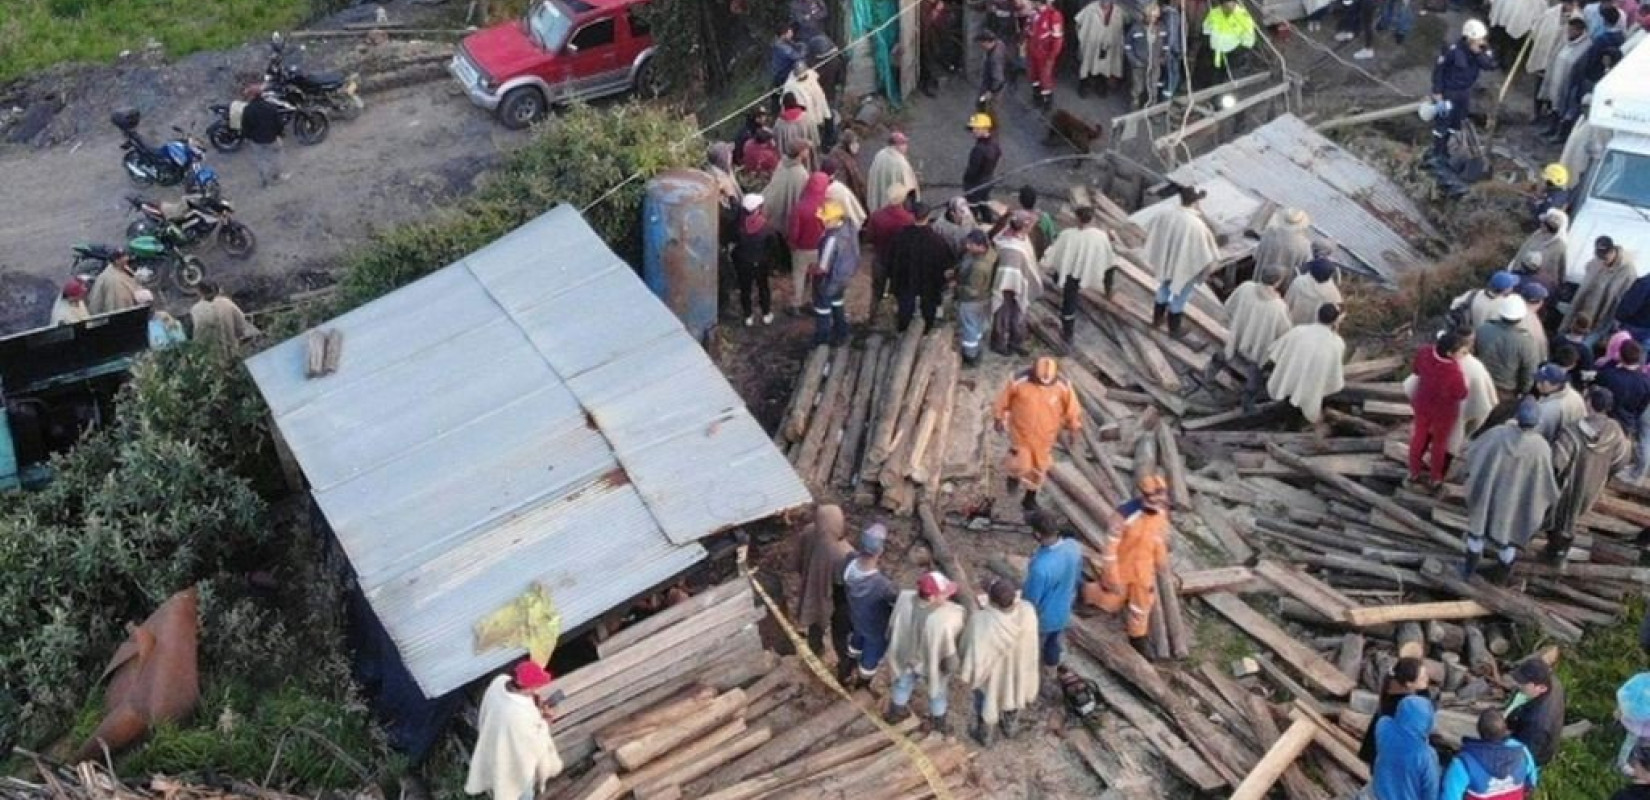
(922, 637)
(815, 108)
(1566, 55)
(1000, 658)
(514, 755)
(890, 168)
(1307, 368)
(1258, 316)
(1306, 295)
(1517, 17)
(1548, 32)
(1180, 247)
(1100, 40)
(1081, 253)
(1481, 399)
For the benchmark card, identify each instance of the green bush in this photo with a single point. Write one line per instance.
(1585, 768)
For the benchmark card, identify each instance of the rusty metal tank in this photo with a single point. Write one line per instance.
(680, 256)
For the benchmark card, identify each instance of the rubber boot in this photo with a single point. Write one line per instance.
(1139, 645)
(1011, 724)
(1082, 87)
(1110, 273)
(1159, 311)
(1028, 501)
(940, 724)
(1557, 550)
(1068, 328)
(1499, 573)
(896, 714)
(985, 734)
(1174, 323)
(1470, 566)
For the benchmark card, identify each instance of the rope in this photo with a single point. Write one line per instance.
(919, 759)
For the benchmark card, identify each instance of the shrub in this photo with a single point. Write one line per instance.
(1585, 768)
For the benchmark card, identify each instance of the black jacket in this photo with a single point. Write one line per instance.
(261, 121)
(982, 163)
(1539, 723)
(1457, 68)
(917, 261)
(994, 75)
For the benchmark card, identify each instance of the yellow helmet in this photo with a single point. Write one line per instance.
(831, 212)
(979, 122)
(1556, 174)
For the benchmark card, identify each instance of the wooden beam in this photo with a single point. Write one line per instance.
(1449, 609)
(1356, 491)
(1314, 667)
(1188, 131)
(1218, 579)
(1289, 747)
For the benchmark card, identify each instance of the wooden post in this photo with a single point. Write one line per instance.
(1259, 781)
(1174, 615)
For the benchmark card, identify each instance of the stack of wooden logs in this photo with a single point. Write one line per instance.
(876, 417)
(711, 641)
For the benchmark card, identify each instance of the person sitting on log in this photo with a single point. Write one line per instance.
(1138, 546)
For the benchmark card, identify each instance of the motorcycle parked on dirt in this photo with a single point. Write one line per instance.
(333, 92)
(191, 221)
(180, 161)
(155, 260)
(308, 125)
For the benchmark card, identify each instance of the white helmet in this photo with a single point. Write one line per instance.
(1427, 109)
(1473, 29)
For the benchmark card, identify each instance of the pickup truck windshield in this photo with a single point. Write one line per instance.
(549, 25)
(1623, 178)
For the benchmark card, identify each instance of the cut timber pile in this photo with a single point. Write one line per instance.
(875, 418)
(91, 781)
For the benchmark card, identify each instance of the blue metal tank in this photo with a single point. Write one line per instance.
(680, 256)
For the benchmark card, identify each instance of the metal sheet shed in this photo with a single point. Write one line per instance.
(530, 413)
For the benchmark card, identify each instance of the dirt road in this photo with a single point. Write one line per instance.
(412, 149)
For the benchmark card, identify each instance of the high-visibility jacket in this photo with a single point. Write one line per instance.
(1228, 31)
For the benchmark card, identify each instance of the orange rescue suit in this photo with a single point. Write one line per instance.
(1035, 414)
(1129, 567)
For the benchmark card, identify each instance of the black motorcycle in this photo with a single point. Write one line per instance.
(191, 221)
(333, 92)
(155, 260)
(181, 160)
(308, 125)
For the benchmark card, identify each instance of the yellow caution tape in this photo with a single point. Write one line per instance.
(918, 758)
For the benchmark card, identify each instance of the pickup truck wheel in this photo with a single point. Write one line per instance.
(649, 83)
(521, 107)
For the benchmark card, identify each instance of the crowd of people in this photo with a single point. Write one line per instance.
(214, 318)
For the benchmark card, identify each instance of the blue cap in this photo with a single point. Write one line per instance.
(1551, 373)
(1532, 291)
(873, 539)
(1503, 281)
(1529, 413)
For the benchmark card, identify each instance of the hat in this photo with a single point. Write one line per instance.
(1503, 281)
(977, 237)
(872, 539)
(1511, 309)
(1296, 218)
(1322, 248)
(751, 202)
(74, 289)
(1603, 244)
(1529, 413)
(898, 137)
(1551, 373)
(979, 122)
(530, 676)
(987, 35)
(1556, 174)
(934, 584)
(1473, 29)
(1533, 670)
(1532, 292)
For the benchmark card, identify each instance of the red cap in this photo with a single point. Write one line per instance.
(530, 676)
(934, 584)
(897, 137)
(74, 289)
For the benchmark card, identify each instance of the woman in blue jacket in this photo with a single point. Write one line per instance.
(1406, 766)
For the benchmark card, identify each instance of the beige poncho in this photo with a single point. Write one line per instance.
(1180, 247)
(1584, 145)
(844, 196)
(1283, 246)
(890, 168)
(114, 290)
(68, 312)
(1480, 304)
(220, 323)
(1258, 316)
(1081, 253)
(820, 556)
(1546, 251)
(1307, 368)
(514, 755)
(1517, 17)
(783, 189)
(1560, 409)
(1000, 658)
(816, 109)
(1100, 39)
(1548, 32)
(1600, 292)
(922, 637)
(1016, 272)
(1566, 55)
(1306, 295)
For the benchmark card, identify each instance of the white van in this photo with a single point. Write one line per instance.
(1614, 197)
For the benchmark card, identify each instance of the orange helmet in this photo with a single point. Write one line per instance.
(1153, 483)
(1046, 369)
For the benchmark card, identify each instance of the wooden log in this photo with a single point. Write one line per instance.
(1157, 630)
(1234, 416)
(897, 458)
(930, 464)
(792, 742)
(871, 367)
(944, 556)
(1289, 747)
(1214, 517)
(1181, 641)
(1145, 447)
(1350, 658)
(600, 784)
(677, 614)
(1364, 495)
(1513, 605)
(1450, 609)
(1065, 476)
(893, 388)
(637, 753)
(315, 352)
(1336, 741)
(1218, 579)
(1479, 660)
(1120, 489)
(1311, 665)
(1168, 452)
(689, 701)
(1372, 369)
(1295, 783)
(1306, 588)
(695, 759)
(1445, 636)
(1176, 754)
(795, 424)
(333, 353)
(1412, 640)
(797, 770)
(1127, 784)
(1133, 311)
(830, 399)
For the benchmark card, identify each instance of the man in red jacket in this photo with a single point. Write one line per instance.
(1439, 391)
(804, 231)
(880, 229)
(1044, 40)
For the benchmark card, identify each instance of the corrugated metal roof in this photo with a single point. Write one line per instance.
(1350, 202)
(530, 413)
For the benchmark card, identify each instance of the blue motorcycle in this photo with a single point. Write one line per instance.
(180, 161)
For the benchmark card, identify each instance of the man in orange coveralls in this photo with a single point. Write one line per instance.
(1138, 546)
(1035, 408)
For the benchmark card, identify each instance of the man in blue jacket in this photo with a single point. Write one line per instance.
(1406, 766)
(1453, 77)
(1494, 766)
(1051, 587)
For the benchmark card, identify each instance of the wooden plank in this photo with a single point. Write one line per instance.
(696, 604)
(1215, 519)
(1356, 491)
(1372, 369)
(1512, 605)
(1304, 659)
(802, 769)
(1176, 753)
(1448, 609)
(1262, 411)
(795, 425)
(1168, 453)
(1218, 579)
(1306, 588)
(1289, 747)
(1336, 742)
(1187, 131)
(635, 754)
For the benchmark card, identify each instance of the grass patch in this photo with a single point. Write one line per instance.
(36, 34)
(1585, 768)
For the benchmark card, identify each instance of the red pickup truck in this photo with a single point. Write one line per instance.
(561, 50)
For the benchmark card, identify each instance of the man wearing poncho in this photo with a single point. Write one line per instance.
(890, 168)
(821, 555)
(1509, 488)
(999, 660)
(514, 756)
(1258, 317)
(1608, 275)
(1017, 286)
(1310, 292)
(923, 638)
(785, 187)
(1182, 248)
(1100, 46)
(1307, 364)
(1081, 258)
(1286, 242)
(1585, 454)
(1541, 256)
